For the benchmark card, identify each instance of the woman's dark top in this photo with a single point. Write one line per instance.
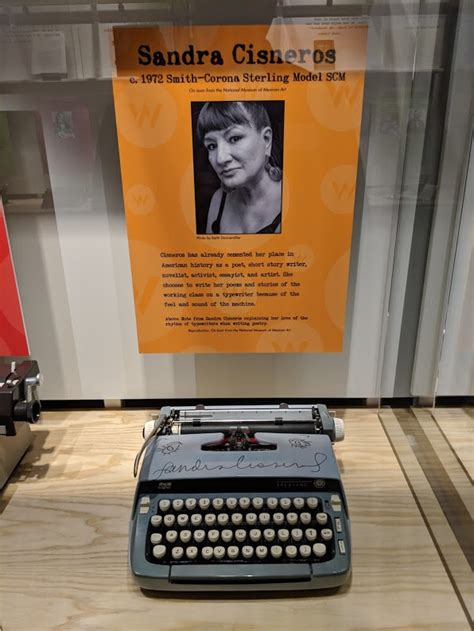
(216, 224)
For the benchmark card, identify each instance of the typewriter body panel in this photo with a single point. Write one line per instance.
(221, 505)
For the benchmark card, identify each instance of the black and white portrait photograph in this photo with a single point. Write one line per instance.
(238, 166)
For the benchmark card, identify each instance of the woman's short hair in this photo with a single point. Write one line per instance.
(219, 115)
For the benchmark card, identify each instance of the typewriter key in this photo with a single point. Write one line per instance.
(240, 535)
(164, 505)
(291, 552)
(244, 502)
(177, 553)
(219, 552)
(283, 534)
(310, 534)
(326, 534)
(227, 535)
(251, 519)
(171, 536)
(213, 536)
(319, 549)
(223, 519)
(255, 535)
(210, 519)
(182, 519)
(247, 552)
(261, 551)
(269, 534)
(257, 502)
(312, 502)
(156, 521)
(196, 519)
(233, 552)
(297, 534)
(191, 552)
(207, 553)
(159, 552)
(178, 505)
(322, 519)
(276, 551)
(231, 502)
(169, 520)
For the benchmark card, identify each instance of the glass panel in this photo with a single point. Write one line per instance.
(438, 118)
(455, 375)
(60, 174)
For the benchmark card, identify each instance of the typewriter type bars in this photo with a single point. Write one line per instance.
(201, 528)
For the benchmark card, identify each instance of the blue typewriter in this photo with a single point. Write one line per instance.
(240, 498)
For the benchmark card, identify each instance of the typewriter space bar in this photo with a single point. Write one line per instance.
(240, 573)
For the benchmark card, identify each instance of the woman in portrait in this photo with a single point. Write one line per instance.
(238, 137)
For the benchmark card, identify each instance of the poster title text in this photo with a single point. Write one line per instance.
(241, 54)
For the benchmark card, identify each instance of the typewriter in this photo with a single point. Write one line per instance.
(240, 498)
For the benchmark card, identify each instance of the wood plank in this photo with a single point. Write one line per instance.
(443, 535)
(457, 426)
(451, 464)
(63, 558)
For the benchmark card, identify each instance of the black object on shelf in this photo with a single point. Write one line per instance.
(18, 395)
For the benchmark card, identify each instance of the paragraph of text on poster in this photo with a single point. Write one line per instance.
(199, 280)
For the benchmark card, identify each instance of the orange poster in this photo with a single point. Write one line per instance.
(238, 151)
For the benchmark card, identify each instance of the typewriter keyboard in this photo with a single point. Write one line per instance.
(243, 529)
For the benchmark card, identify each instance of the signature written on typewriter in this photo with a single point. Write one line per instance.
(240, 464)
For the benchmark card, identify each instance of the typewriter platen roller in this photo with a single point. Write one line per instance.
(240, 497)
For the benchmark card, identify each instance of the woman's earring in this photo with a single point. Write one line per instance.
(273, 171)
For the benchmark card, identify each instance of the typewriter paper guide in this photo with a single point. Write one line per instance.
(180, 457)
